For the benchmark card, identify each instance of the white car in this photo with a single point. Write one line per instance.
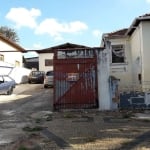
(7, 84)
(48, 80)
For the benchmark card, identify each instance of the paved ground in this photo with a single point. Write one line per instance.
(27, 122)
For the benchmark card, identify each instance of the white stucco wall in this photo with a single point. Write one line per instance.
(42, 57)
(103, 81)
(122, 71)
(10, 57)
(145, 27)
(104, 87)
(136, 52)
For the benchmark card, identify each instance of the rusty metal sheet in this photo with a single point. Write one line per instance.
(75, 83)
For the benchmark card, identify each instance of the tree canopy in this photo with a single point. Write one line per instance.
(9, 33)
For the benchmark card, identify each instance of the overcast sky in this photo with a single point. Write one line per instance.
(45, 23)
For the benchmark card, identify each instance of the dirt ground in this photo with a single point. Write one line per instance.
(28, 122)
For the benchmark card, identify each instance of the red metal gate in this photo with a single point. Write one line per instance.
(75, 79)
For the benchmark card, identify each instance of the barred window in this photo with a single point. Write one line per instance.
(48, 62)
(118, 54)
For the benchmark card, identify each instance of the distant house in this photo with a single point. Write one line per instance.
(46, 55)
(130, 54)
(11, 60)
(10, 52)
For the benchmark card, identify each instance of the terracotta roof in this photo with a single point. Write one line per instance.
(117, 34)
(62, 46)
(13, 44)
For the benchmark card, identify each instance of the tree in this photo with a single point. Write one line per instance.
(9, 33)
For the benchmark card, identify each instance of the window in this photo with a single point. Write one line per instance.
(140, 78)
(118, 54)
(1, 57)
(48, 62)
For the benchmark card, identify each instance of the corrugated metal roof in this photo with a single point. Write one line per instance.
(62, 46)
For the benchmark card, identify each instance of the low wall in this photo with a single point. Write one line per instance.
(20, 75)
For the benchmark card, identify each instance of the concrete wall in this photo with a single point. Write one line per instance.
(104, 88)
(10, 57)
(42, 58)
(103, 81)
(19, 74)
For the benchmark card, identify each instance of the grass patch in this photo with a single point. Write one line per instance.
(34, 129)
(121, 130)
(38, 120)
(145, 120)
(90, 139)
(127, 115)
(69, 115)
(22, 148)
(49, 117)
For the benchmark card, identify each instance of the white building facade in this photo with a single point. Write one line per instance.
(46, 61)
(14, 58)
(11, 60)
(129, 58)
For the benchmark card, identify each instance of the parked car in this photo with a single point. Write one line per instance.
(36, 77)
(48, 80)
(7, 84)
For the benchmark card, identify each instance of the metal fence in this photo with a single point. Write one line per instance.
(75, 80)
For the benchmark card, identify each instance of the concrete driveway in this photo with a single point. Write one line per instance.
(27, 122)
(16, 110)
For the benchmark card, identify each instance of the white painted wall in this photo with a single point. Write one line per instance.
(122, 71)
(104, 90)
(42, 57)
(136, 53)
(140, 47)
(5, 68)
(145, 27)
(19, 74)
(10, 57)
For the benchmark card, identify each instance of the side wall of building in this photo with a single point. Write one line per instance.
(13, 58)
(122, 71)
(42, 58)
(136, 53)
(146, 51)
